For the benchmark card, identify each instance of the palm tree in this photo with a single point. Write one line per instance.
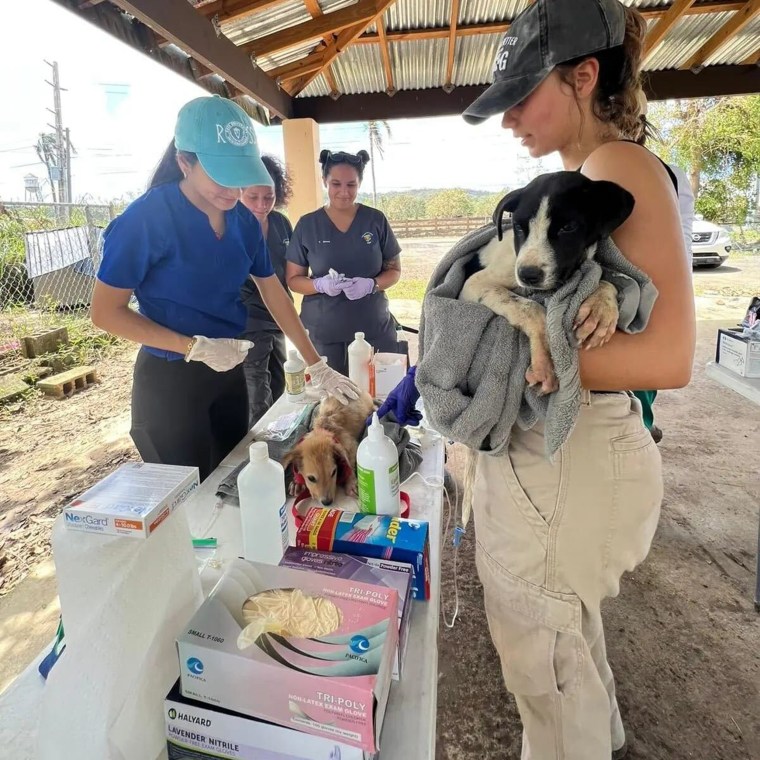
(377, 130)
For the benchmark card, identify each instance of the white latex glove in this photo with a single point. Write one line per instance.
(333, 382)
(221, 354)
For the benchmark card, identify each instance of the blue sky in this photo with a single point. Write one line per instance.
(120, 107)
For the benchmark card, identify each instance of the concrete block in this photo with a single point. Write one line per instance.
(44, 343)
(67, 383)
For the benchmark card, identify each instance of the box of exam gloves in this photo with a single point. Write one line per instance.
(132, 501)
(381, 536)
(302, 650)
(196, 731)
(738, 352)
(377, 572)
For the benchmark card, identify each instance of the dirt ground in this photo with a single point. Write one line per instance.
(683, 636)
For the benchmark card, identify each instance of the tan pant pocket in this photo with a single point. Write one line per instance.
(537, 633)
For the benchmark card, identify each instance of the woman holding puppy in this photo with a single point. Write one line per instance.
(553, 539)
(183, 249)
(343, 258)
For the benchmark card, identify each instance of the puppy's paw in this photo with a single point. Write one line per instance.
(351, 488)
(597, 318)
(541, 372)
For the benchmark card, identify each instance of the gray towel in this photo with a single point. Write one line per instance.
(471, 372)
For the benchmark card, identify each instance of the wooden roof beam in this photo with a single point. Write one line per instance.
(666, 22)
(178, 22)
(329, 23)
(390, 84)
(729, 30)
(344, 39)
(298, 68)
(229, 10)
(454, 20)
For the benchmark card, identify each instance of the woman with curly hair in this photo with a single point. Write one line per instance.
(263, 366)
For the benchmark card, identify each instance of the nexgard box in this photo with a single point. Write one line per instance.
(383, 536)
(303, 650)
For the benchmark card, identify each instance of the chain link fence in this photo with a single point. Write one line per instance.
(49, 256)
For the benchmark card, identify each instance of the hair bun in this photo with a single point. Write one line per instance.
(364, 156)
(324, 156)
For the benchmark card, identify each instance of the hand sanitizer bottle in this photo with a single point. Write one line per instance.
(261, 491)
(377, 472)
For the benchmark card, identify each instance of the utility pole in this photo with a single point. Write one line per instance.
(63, 146)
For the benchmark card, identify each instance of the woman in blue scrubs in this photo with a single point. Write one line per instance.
(355, 241)
(184, 248)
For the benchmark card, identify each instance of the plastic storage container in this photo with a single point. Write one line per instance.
(377, 472)
(359, 361)
(261, 491)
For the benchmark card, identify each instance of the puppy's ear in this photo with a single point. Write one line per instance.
(610, 204)
(507, 203)
(341, 459)
(293, 457)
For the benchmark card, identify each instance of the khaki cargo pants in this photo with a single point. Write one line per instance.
(552, 541)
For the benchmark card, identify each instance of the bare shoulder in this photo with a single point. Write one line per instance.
(633, 167)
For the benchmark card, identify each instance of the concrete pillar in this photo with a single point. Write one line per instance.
(301, 139)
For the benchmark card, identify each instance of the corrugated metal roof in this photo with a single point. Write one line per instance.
(282, 16)
(418, 64)
(360, 69)
(418, 14)
(473, 63)
(483, 11)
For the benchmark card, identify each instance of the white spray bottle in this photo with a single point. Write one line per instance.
(377, 472)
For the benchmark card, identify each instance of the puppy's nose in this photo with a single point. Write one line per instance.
(531, 275)
(326, 502)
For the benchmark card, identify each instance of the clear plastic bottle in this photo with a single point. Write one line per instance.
(261, 491)
(377, 472)
(359, 360)
(295, 377)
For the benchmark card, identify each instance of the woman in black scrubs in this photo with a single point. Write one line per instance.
(263, 366)
(352, 240)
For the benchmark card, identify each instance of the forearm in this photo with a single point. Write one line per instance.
(284, 313)
(387, 278)
(659, 358)
(131, 325)
(302, 284)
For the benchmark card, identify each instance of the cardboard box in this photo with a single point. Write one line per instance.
(335, 685)
(195, 731)
(132, 501)
(738, 353)
(388, 370)
(382, 536)
(377, 572)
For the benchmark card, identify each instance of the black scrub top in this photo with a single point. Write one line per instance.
(319, 245)
(278, 237)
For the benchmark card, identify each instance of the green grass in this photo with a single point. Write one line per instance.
(412, 290)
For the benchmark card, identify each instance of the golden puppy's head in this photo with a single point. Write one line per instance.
(319, 458)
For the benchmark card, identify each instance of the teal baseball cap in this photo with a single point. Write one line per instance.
(221, 134)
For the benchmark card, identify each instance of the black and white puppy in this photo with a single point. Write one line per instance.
(557, 221)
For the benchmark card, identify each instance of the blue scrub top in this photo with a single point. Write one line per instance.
(360, 251)
(163, 248)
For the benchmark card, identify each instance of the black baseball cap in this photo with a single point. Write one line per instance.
(545, 34)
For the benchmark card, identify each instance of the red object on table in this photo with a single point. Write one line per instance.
(406, 504)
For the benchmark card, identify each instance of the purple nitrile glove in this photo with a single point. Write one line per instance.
(401, 401)
(329, 285)
(358, 287)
